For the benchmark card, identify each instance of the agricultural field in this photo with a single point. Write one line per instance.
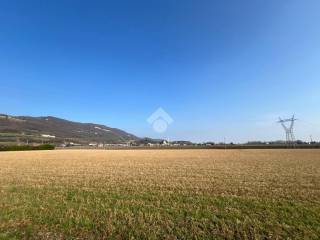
(160, 194)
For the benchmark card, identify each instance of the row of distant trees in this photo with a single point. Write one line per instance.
(280, 142)
(26, 147)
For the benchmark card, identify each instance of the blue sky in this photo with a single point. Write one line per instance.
(220, 69)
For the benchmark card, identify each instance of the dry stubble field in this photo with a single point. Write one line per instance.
(160, 194)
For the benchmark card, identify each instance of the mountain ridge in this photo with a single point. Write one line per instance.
(58, 130)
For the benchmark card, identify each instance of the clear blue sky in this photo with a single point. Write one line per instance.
(219, 68)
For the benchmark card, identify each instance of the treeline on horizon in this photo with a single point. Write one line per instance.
(26, 147)
(263, 146)
(215, 146)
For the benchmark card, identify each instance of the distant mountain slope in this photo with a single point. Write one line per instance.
(58, 130)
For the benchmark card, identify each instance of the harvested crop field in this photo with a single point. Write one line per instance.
(160, 194)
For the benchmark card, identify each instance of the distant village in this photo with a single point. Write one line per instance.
(152, 143)
(132, 143)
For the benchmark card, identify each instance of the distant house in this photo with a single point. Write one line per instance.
(4, 116)
(47, 136)
(93, 144)
(74, 144)
(164, 142)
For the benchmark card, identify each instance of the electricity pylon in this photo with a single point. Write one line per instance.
(288, 129)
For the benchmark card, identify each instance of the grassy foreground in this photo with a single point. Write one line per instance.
(160, 194)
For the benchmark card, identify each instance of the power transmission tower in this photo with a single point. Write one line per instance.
(288, 129)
